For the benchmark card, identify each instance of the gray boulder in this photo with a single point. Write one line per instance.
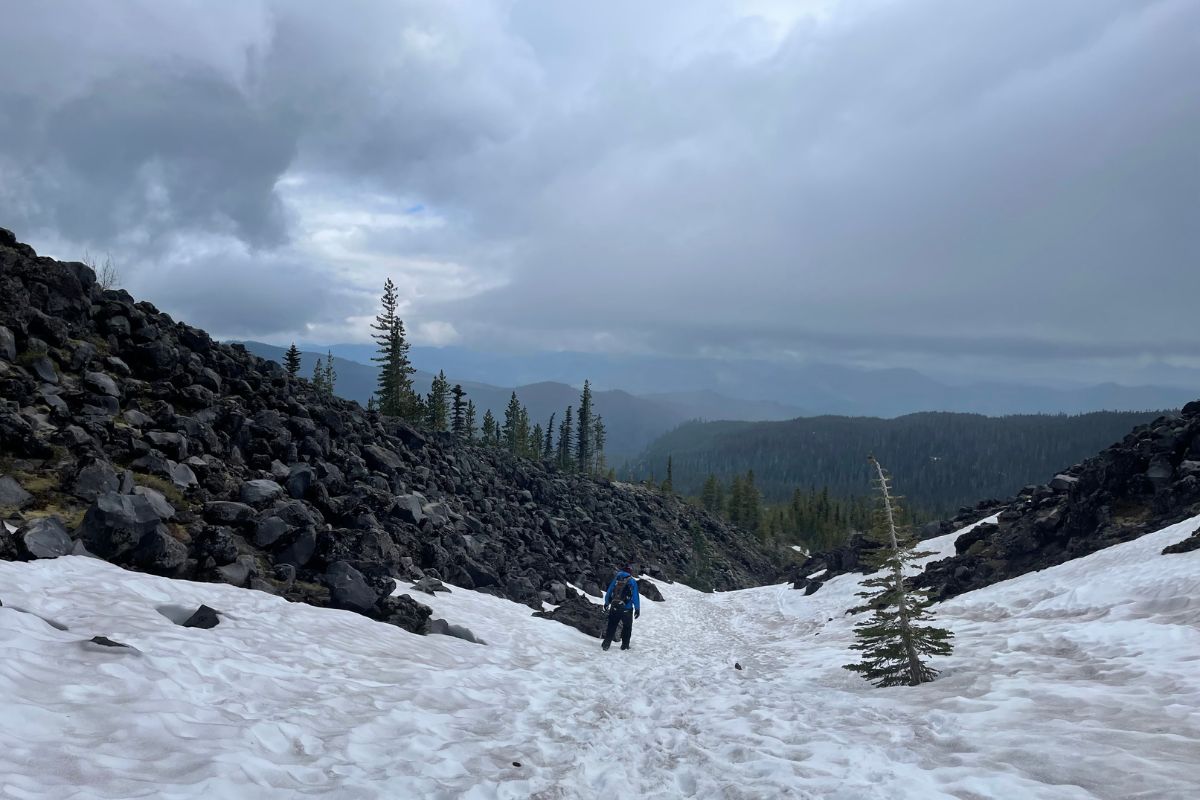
(183, 476)
(381, 459)
(443, 628)
(44, 538)
(205, 618)
(8, 344)
(259, 492)
(159, 552)
(115, 523)
(226, 512)
(408, 508)
(348, 588)
(12, 495)
(100, 383)
(157, 499)
(95, 479)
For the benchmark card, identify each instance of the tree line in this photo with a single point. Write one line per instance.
(949, 460)
(576, 445)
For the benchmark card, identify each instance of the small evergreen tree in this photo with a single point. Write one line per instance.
(489, 428)
(437, 410)
(318, 378)
(892, 640)
(330, 381)
(710, 495)
(535, 441)
(512, 425)
(599, 438)
(583, 427)
(291, 361)
(548, 444)
(458, 413)
(668, 486)
(470, 421)
(564, 441)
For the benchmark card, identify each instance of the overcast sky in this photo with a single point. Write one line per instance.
(989, 187)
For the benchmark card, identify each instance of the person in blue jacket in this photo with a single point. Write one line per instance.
(623, 605)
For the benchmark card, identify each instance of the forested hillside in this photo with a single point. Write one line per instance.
(946, 460)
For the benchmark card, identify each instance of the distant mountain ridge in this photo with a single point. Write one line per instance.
(806, 389)
(631, 422)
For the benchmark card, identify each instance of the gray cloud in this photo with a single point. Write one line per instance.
(1011, 182)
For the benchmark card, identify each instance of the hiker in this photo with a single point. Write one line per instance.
(623, 605)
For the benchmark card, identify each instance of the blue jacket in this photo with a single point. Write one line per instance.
(635, 602)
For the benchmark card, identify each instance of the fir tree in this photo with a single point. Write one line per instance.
(583, 427)
(437, 411)
(489, 428)
(371, 404)
(548, 444)
(458, 413)
(668, 486)
(564, 441)
(523, 448)
(291, 361)
(512, 424)
(318, 378)
(394, 389)
(599, 438)
(330, 380)
(711, 496)
(892, 639)
(535, 441)
(470, 421)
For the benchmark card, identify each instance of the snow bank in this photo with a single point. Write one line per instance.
(1080, 681)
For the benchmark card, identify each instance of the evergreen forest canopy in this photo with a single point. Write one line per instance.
(948, 460)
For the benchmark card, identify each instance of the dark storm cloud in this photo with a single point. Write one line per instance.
(1010, 181)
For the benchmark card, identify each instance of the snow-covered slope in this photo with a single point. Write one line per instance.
(1082, 681)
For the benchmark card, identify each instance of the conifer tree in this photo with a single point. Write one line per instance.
(583, 426)
(318, 378)
(535, 441)
(330, 380)
(458, 413)
(512, 424)
(564, 441)
(437, 411)
(523, 448)
(371, 404)
(291, 361)
(489, 428)
(394, 389)
(470, 421)
(892, 640)
(668, 486)
(599, 438)
(548, 444)
(710, 495)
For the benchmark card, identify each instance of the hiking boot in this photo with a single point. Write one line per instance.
(624, 647)
(605, 646)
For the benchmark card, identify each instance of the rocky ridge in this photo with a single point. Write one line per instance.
(139, 439)
(1145, 482)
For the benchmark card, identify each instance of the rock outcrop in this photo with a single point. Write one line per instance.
(162, 450)
(1145, 482)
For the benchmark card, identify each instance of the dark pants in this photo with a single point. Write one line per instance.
(616, 617)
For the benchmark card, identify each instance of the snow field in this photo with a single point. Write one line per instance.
(1081, 681)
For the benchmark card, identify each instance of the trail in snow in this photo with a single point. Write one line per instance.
(1081, 681)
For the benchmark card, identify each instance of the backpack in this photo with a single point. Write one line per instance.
(622, 593)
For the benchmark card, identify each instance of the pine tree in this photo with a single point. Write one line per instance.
(668, 486)
(548, 444)
(710, 495)
(489, 428)
(469, 427)
(512, 424)
(371, 404)
(458, 413)
(564, 441)
(330, 381)
(892, 639)
(437, 411)
(583, 427)
(599, 438)
(535, 441)
(318, 378)
(523, 448)
(394, 389)
(291, 361)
